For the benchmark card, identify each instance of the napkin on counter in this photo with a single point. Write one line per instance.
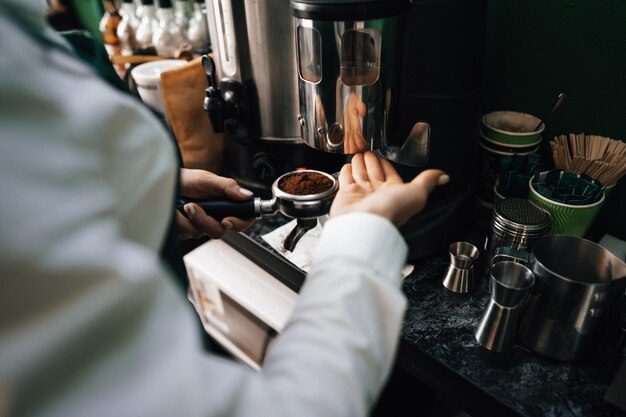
(183, 94)
(302, 255)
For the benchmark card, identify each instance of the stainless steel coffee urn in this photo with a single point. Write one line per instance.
(256, 102)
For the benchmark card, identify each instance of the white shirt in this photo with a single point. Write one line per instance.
(91, 323)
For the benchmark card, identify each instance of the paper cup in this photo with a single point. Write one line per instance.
(147, 77)
(567, 219)
(511, 128)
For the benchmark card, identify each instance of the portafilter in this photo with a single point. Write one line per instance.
(293, 203)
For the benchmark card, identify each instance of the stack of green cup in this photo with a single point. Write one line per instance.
(504, 135)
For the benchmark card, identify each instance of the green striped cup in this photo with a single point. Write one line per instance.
(567, 219)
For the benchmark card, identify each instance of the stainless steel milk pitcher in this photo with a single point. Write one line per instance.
(576, 282)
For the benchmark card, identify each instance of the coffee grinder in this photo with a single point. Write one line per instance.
(404, 79)
(257, 98)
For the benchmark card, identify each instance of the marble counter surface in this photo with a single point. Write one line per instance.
(440, 325)
(438, 347)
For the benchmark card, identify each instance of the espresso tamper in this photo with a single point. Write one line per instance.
(460, 275)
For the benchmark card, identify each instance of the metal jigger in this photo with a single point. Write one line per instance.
(510, 283)
(460, 275)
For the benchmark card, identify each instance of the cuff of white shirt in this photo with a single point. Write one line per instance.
(366, 238)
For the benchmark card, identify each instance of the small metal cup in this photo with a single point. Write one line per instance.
(460, 275)
(510, 284)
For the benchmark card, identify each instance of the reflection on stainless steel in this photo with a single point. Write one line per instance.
(460, 275)
(261, 50)
(509, 254)
(302, 226)
(577, 281)
(273, 57)
(510, 283)
(516, 223)
(414, 152)
(344, 80)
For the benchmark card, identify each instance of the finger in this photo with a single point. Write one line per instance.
(391, 175)
(186, 230)
(361, 145)
(347, 143)
(360, 108)
(359, 171)
(351, 149)
(374, 169)
(345, 176)
(429, 179)
(203, 222)
(236, 224)
(197, 183)
(234, 191)
(227, 187)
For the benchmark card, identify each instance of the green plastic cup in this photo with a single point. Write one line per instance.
(567, 219)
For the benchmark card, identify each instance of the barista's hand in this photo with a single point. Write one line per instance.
(372, 185)
(197, 183)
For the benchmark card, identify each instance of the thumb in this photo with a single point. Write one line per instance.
(429, 179)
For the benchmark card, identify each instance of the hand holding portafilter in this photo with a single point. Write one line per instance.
(306, 199)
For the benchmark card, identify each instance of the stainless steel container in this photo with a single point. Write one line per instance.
(510, 283)
(346, 62)
(262, 50)
(516, 223)
(460, 275)
(576, 282)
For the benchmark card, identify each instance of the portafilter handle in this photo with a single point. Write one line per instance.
(255, 208)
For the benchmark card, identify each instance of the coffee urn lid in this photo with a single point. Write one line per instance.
(521, 216)
(337, 10)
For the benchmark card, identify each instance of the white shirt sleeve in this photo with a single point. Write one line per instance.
(337, 349)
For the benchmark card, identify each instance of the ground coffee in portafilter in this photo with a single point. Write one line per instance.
(303, 183)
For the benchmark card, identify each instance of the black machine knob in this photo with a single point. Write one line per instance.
(264, 166)
(214, 103)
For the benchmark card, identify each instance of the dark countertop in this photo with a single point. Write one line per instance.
(439, 327)
(438, 347)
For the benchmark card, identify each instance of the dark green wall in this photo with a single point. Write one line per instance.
(537, 48)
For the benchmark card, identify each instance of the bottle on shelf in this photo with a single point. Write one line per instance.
(108, 27)
(146, 29)
(168, 39)
(182, 14)
(138, 9)
(198, 32)
(127, 28)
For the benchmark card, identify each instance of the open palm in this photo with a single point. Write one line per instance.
(369, 184)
